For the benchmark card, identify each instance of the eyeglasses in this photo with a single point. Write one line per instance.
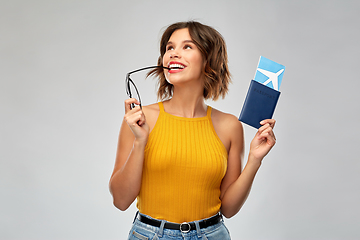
(129, 84)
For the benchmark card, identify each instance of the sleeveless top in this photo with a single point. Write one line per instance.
(185, 162)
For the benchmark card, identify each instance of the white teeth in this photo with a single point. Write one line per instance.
(175, 66)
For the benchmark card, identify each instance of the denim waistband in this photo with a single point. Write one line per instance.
(160, 230)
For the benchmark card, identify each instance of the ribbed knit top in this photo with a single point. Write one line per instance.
(185, 162)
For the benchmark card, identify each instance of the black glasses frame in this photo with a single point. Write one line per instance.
(129, 81)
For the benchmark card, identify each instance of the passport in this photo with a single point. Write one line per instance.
(263, 93)
(260, 103)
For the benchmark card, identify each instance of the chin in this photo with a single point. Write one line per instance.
(168, 80)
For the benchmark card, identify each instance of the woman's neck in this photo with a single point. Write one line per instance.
(186, 103)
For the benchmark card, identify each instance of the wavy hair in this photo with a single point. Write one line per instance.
(213, 49)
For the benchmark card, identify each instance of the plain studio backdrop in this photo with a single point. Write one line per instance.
(62, 73)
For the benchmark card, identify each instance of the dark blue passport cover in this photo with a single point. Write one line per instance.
(260, 103)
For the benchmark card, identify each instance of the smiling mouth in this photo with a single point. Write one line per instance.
(176, 66)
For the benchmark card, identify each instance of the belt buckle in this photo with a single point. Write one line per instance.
(185, 231)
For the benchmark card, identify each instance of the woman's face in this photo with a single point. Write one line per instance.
(183, 56)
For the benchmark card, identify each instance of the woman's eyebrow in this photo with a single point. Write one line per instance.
(185, 41)
(188, 41)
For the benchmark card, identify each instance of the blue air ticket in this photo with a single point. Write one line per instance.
(269, 73)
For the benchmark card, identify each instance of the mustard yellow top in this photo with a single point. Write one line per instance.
(185, 162)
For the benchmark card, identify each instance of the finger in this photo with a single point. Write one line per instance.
(269, 129)
(128, 103)
(136, 111)
(271, 140)
(140, 116)
(135, 117)
(142, 119)
(263, 135)
(269, 121)
(135, 120)
(271, 133)
(262, 128)
(131, 119)
(268, 136)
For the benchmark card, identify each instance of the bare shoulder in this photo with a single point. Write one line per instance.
(152, 108)
(227, 127)
(151, 113)
(227, 120)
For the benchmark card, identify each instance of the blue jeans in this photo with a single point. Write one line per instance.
(142, 231)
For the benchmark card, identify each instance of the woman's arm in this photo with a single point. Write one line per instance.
(125, 181)
(235, 186)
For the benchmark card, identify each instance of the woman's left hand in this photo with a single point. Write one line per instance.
(263, 141)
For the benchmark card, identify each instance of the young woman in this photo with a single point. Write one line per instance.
(180, 158)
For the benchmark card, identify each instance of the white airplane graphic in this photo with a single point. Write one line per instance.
(273, 77)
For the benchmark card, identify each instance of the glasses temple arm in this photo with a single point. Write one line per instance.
(141, 69)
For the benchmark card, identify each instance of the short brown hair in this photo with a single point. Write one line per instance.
(213, 49)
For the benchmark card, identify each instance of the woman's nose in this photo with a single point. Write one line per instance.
(174, 54)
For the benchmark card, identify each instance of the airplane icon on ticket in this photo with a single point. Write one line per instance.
(269, 73)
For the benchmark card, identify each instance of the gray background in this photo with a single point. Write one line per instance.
(62, 71)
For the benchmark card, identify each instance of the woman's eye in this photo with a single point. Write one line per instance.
(187, 47)
(169, 48)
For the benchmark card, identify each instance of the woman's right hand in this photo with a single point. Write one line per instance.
(136, 120)
(125, 181)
